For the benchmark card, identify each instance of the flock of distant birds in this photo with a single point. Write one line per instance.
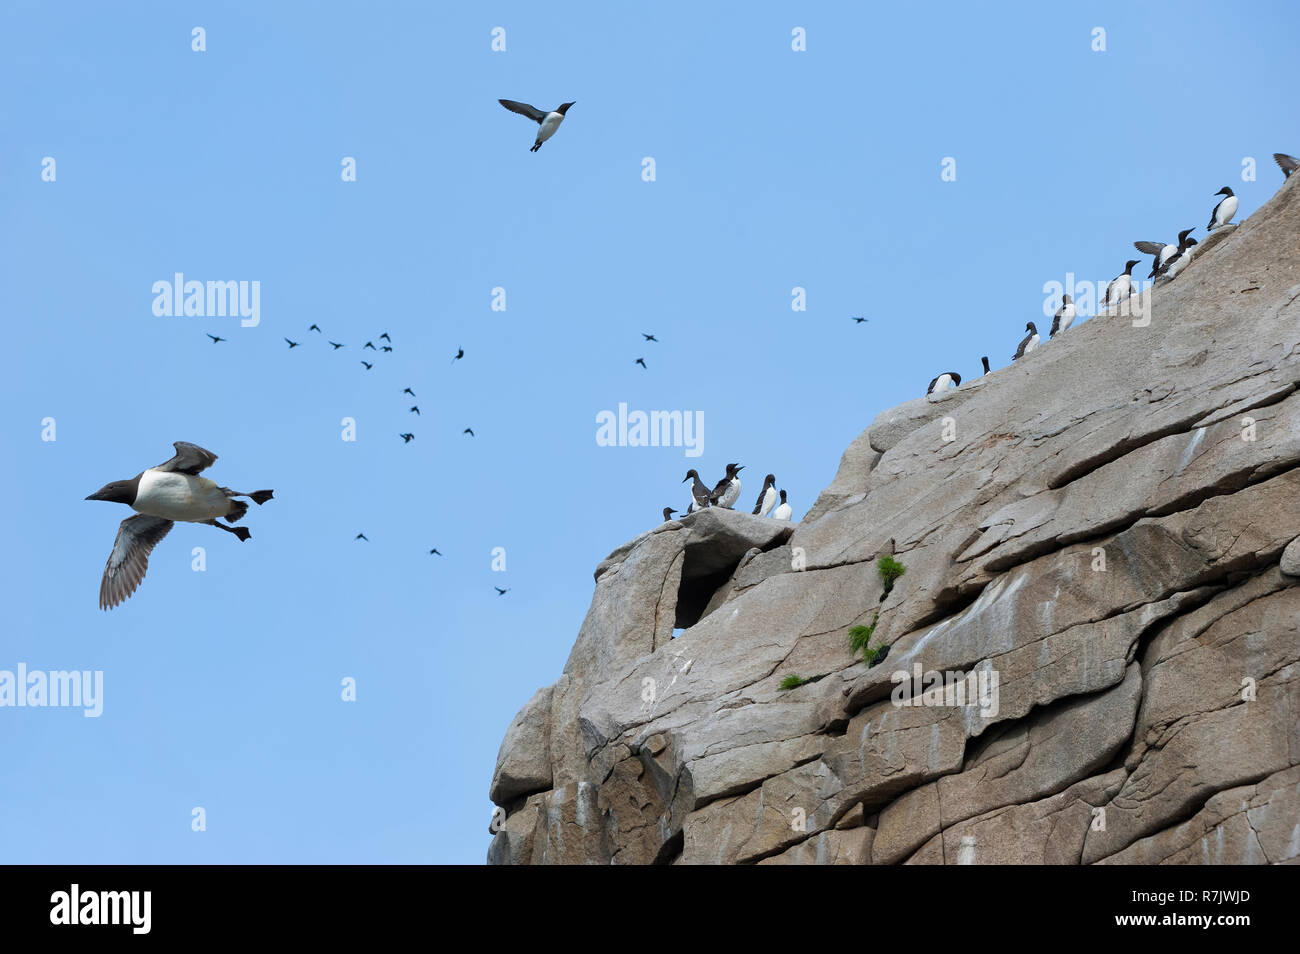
(1168, 260)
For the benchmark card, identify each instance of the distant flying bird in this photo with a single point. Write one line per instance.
(361, 536)
(434, 552)
(1288, 164)
(406, 438)
(649, 337)
(641, 361)
(860, 320)
(549, 122)
(370, 345)
(292, 344)
(469, 431)
(384, 337)
(368, 365)
(408, 391)
(1029, 343)
(460, 353)
(160, 496)
(501, 592)
(416, 410)
(385, 348)
(315, 328)
(336, 345)
(215, 339)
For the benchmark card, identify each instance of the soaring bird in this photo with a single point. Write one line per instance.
(361, 536)
(460, 353)
(469, 431)
(649, 337)
(549, 122)
(385, 348)
(415, 409)
(368, 365)
(315, 328)
(501, 592)
(336, 345)
(384, 337)
(406, 438)
(292, 344)
(160, 496)
(215, 339)
(370, 345)
(408, 391)
(641, 361)
(860, 320)
(434, 552)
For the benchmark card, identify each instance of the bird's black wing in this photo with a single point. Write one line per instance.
(523, 109)
(190, 459)
(136, 538)
(1149, 248)
(1020, 352)
(930, 389)
(1288, 164)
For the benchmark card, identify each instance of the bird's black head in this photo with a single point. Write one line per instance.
(783, 496)
(1128, 267)
(119, 491)
(1031, 328)
(1182, 236)
(1224, 191)
(1191, 242)
(986, 364)
(689, 475)
(564, 108)
(1066, 299)
(668, 513)
(769, 480)
(956, 378)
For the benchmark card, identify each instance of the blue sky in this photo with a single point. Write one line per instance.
(775, 169)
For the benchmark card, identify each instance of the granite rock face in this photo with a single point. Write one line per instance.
(1102, 552)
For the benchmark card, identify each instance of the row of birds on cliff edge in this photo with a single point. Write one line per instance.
(726, 492)
(1167, 262)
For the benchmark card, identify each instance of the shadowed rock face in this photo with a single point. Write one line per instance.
(1102, 557)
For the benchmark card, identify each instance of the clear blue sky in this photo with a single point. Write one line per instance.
(775, 169)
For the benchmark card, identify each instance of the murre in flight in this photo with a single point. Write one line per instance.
(1064, 316)
(1121, 286)
(766, 496)
(1176, 262)
(1161, 251)
(783, 511)
(1029, 343)
(727, 491)
(1288, 164)
(160, 496)
(549, 122)
(1224, 211)
(699, 493)
(949, 379)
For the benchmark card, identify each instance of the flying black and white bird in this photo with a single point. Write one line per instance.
(292, 344)
(160, 496)
(727, 490)
(1161, 251)
(1029, 343)
(469, 431)
(859, 320)
(1224, 211)
(215, 339)
(460, 353)
(649, 337)
(408, 391)
(384, 337)
(415, 409)
(336, 345)
(361, 536)
(368, 365)
(1177, 261)
(783, 511)
(1288, 164)
(1064, 316)
(315, 328)
(549, 122)
(406, 438)
(1120, 287)
(370, 345)
(641, 361)
(766, 496)
(949, 379)
(385, 348)
(501, 592)
(435, 552)
(700, 496)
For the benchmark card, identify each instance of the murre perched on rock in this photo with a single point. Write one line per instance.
(1029, 343)
(949, 379)
(1176, 262)
(1224, 211)
(727, 491)
(160, 496)
(1064, 316)
(985, 361)
(699, 493)
(1161, 251)
(1121, 286)
(783, 511)
(668, 513)
(766, 496)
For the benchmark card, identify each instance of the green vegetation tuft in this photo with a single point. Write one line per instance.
(792, 682)
(890, 570)
(860, 637)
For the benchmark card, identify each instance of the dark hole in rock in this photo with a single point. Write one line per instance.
(695, 593)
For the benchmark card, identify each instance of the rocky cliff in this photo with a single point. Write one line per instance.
(1100, 543)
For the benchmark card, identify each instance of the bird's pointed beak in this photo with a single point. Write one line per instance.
(97, 495)
(684, 479)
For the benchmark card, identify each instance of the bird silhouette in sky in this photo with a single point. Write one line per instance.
(859, 320)
(460, 353)
(292, 344)
(416, 410)
(368, 365)
(649, 337)
(315, 328)
(501, 592)
(386, 348)
(434, 552)
(361, 536)
(469, 431)
(215, 339)
(370, 345)
(408, 391)
(406, 438)
(336, 345)
(384, 337)
(641, 361)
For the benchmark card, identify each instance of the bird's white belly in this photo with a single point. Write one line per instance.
(549, 125)
(943, 384)
(1067, 318)
(769, 501)
(782, 512)
(731, 494)
(180, 497)
(1227, 209)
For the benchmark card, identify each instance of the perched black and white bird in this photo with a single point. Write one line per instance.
(292, 344)
(160, 496)
(1224, 211)
(783, 511)
(766, 496)
(985, 360)
(700, 496)
(215, 339)
(1288, 164)
(1064, 316)
(949, 379)
(549, 122)
(668, 513)
(1176, 262)
(727, 490)
(1120, 287)
(406, 438)
(1029, 343)
(1161, 251)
